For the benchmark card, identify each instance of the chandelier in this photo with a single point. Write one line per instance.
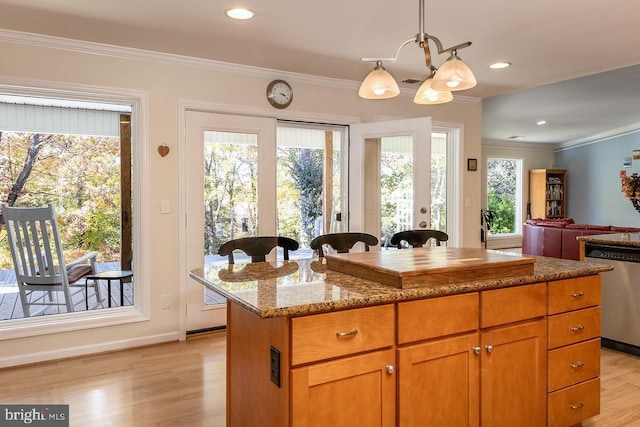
(453, 74)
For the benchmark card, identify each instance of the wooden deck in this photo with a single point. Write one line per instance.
(11, 308)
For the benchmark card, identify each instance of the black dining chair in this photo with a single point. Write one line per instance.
(343, 242)
(258, 247)
(418, 238)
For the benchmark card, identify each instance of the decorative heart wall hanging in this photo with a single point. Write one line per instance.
(163, 149)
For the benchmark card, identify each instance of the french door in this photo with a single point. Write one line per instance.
(391, 177)
(227, 190)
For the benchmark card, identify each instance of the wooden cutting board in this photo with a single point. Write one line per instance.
(409, 268)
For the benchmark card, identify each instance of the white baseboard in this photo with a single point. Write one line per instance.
(512, 241)
(24, 359)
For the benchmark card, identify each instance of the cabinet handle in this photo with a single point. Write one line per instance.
(347, 334)
(577, 365)
(489, 348)
(577, 405)
(577, 328)
(476, 350)
(391, 369)
(577, 294)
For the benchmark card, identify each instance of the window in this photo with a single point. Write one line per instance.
(504, 195)
(84, 155)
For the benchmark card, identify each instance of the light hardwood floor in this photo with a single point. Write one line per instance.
(183, 383)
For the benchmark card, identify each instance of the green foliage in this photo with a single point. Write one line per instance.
(304, 166)
(501, 194)
(504, 208)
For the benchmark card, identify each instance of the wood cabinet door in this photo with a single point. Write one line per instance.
(513, 376)
(438, 383)
(357, 391)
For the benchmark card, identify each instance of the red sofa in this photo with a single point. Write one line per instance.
(558, 237)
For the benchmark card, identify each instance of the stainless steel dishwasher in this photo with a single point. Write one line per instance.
(620, 295)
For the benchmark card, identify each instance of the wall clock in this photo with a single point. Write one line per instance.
(279, 94)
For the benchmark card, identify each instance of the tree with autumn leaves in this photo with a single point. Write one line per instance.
(80, 175)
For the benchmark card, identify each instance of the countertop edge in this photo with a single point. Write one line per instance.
(382, 294)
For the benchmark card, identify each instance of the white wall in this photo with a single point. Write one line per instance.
(169, 82)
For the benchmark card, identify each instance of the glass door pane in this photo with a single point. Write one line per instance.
(309, 182)
(396, 185)
(230, 190)
(390, 176)
(439, 181)
(225, 193)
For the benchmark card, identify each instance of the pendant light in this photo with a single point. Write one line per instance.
(379, 84)
(453, 75)
(427, 95)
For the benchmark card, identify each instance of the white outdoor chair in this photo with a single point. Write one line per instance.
(39, 263)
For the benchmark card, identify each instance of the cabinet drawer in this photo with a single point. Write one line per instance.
(328, 335)
(573, 327)
(574, 404)
(436, 317)
(500, 306)
(574, 294)
(574, 364)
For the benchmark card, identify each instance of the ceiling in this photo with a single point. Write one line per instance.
(559, 49)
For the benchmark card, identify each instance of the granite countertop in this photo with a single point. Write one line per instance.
(619, 239)
(292, 288)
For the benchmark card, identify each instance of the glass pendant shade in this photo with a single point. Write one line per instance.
(427, 95)
(379, 84)
(453, 75)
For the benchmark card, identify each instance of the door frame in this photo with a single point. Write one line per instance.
(201, 316)
(188, 105)
(455, 171)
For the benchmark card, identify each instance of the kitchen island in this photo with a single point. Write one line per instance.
(307, 346)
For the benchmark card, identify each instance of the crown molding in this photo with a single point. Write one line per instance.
(121, 52)
(613, 133)
(519, 145)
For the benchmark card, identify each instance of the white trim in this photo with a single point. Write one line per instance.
(519, 145)
(506, 241)
(53, 324)
(562, 146)
(82, 46)
(241, 110)
(519, 203)
(121, 52)
(614, 133)
(86, 349)
(455, 178)
(10, 329)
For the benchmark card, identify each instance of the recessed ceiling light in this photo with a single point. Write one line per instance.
(240, 13)
(498, 65)
(541, 122)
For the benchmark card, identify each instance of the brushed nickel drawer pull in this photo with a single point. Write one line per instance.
(578, 405)
(476, 349)
(489, 348)
(391, 369)
(346, 334)
(577, 294)
(578, 328)
(577, 365)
